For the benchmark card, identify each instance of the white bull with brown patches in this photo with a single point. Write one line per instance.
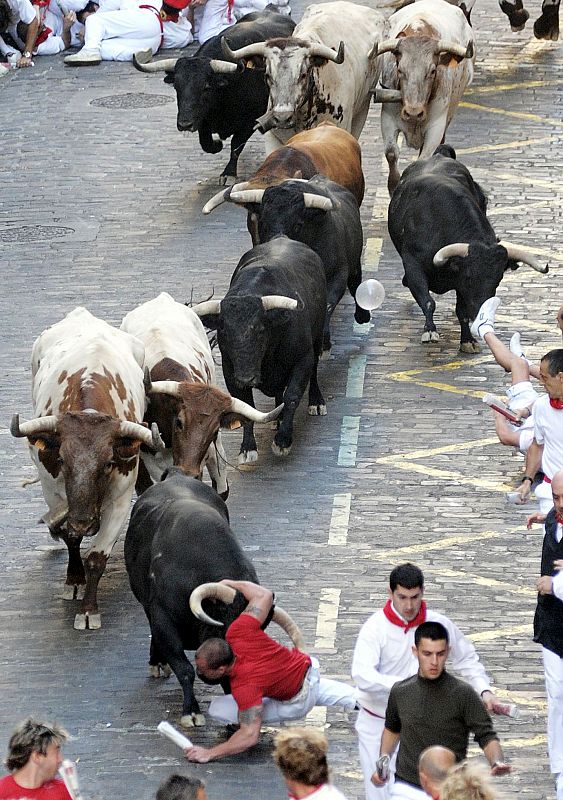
(183, 400)
(428, 62)
(88, 400)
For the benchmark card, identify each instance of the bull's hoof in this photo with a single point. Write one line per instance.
(73, 591)
(325, 355)
(547, 26)
(362, 316)
(280, 451)
(469, 347)
(158, 670)
(224, 495)
(227, 180)
(430, 336)
(192, 720)
(87, 622)
(518, 22)
(247, 458)
(317, 410)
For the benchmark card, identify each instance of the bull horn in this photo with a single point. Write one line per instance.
(223, 196)
(222, 66)
(209, 307)
(213, 591)
(255, 49)
(317, 201)
(133, 430)
(248, 196)
(387, 96)
(147, 380)
(271, 301)
(33, 427)
(460, 249)
(285, 622)
(322, 51)
(164, 65)
(387, 46)
(251, 413)
(518, 254)
(165, 387)
(54, 519)
(459, 50)
(266, 122)
(157, 440)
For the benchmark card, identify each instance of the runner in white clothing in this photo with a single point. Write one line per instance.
(20, 20)
(383, 655)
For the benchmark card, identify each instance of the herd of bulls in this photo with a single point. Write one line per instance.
(117, 409)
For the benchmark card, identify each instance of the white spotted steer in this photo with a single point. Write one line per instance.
(88, 400)
(183, 400)
(428, 63)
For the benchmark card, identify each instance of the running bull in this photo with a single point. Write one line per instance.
(216, 96)
(183, 399)
(88, 398)
(269, 329)
(178, 545)
(438, 224)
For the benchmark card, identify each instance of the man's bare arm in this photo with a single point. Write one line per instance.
(259, 598)
(246, 736)
(494, 756)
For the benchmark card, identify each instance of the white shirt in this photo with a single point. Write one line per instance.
(557, 584)
(20, 11)
(383, 655)
(327, 792)
(548, 431)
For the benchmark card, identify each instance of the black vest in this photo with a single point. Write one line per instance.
(548, 621)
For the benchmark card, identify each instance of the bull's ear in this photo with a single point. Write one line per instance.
(318, 61)
(211, 321)
(169, 77)
(449, 60)
(44, 442)
(230, 421)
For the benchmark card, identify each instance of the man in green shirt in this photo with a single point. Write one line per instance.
(433, 708)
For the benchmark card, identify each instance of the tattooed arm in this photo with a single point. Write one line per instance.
(259, 598)
(246, 736)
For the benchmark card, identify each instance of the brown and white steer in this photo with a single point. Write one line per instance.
(88, 400)
(428, 63)
(323, 71)
(184, 402)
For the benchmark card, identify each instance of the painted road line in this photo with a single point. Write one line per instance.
(490, 583)
(356, 375)
(517, 744)
(446, 475)
(348, 441)
(338, 532)
(500, 633)
(440, 544)
(379, 211)
(558, 123)
(316, 717)
(490, 148)
(372, 254)
(507, 87)
(327, 618)
(523, 208)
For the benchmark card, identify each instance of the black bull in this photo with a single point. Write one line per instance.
(226, 103)
(178, 538)
(438, 223)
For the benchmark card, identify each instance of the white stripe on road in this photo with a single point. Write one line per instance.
(327, 618)
(348, 441)
(356, 374)
(338, 533)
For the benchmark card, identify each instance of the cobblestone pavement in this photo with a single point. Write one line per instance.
(100, 201)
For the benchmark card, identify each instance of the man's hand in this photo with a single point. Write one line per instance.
(500, 768)
(376, 780)
(25, 62)
(558, 564)
(199, 754)
(69, 20)
(524, 491)
(490, 700)
(545, 584)
(536, 517)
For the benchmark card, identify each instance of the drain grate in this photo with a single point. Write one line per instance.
(132, 100)
(33, 233)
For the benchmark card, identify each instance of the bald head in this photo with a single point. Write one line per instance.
(433, 766)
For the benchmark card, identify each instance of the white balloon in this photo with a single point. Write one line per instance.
(370, 294)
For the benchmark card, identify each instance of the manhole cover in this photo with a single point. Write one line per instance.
(32, 233)
(130, 100)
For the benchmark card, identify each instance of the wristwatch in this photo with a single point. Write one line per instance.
(26, 54)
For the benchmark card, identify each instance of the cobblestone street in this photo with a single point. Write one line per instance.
(100, 205)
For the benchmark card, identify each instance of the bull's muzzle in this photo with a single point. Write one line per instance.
(282, 118)
(78, 529)
(187, 126)
(415, 114)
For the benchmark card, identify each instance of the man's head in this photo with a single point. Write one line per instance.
(431, 648)
(89, 8)
(181, 787)
(300, 754)
(214, 660)
(467, 782)
(434, 764)
(38, 743)
(406, 588)
(557, 492)
(551, 373)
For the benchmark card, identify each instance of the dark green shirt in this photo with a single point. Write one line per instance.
(435, 712)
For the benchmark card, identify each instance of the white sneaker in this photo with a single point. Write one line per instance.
(484, 322)
(515, 346)
(84, 58)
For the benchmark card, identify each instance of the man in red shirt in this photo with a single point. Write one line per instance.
(34, 758)
(269, 682)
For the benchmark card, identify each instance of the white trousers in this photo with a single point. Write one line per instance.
(553, 668)
(316, 691)
(117, 35)
(369, 730)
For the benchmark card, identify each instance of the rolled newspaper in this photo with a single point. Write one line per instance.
(166, 729)
(498, 405)
(70, 779)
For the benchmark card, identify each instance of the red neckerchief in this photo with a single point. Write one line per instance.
(393, 617)
(556, 403)
(559, 519)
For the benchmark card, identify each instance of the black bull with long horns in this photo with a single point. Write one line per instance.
(178, 546)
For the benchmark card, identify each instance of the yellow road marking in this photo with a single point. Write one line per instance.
(558, 123)
(522, 699)
(316, 717)
(517, 744)
(506, 87)
(372, 254)
(500, 633)
(491, 583)
(438, 451)
(439, 544)
(489, 148)
(522, 208)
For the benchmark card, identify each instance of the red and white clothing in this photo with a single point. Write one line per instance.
(382, 656)
(52, 790)
(548, 431)
(523, 395)
(285, 682)
(20, 11)
(325, 792)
